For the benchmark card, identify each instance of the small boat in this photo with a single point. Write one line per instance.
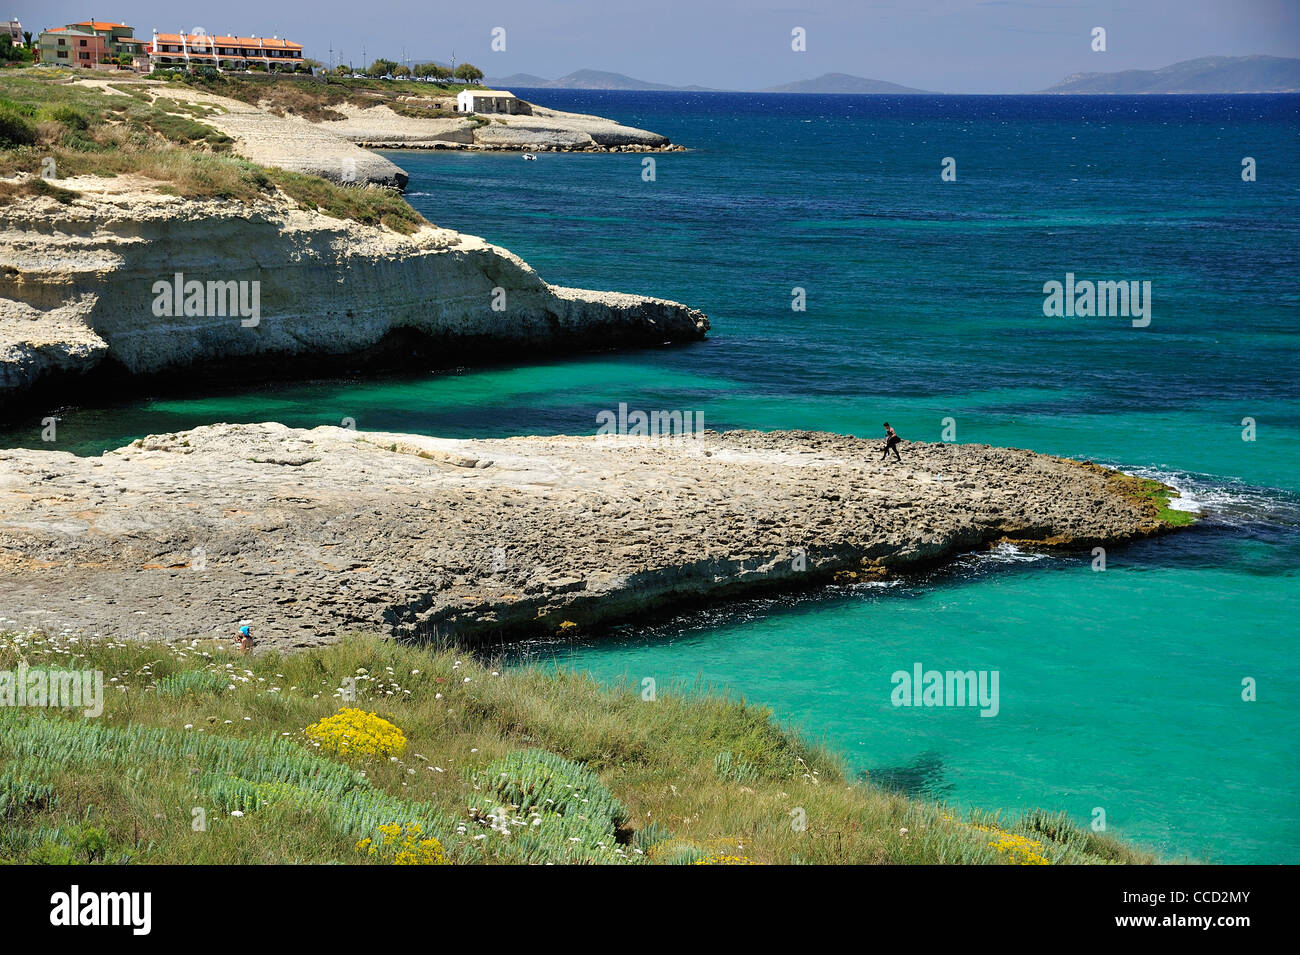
(529, 156)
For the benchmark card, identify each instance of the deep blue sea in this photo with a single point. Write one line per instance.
(1121, 690)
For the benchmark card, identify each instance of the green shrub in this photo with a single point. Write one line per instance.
(534, 779)
(555, 809)
(185, 131)
(78, 845)
(731, 769)
(650, 836)
(68, 116)
(680, 853)
(16, 129)
(52, 853)
(91, 844)
(18, 793)
(1062, 831)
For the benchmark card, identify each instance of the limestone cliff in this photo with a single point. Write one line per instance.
(79, 290)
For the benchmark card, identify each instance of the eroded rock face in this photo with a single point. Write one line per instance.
(311, 533)
(79, 287)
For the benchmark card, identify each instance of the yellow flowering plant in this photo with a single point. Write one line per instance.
(726, 860)
(403, 845)
(1021, 849)
(354, 732)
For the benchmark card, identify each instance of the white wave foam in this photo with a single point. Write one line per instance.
(1010, 554)
(874, 584)
(1231, 499)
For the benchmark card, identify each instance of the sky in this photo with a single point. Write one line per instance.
(951, 46)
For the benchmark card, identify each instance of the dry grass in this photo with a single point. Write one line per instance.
(313, 99)
(370, 206)
(44, 118)
(34, 186)
(86, 132)
(229, 737)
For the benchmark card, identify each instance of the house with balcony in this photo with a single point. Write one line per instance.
(191, 50)
(15, 31)
(87, 44)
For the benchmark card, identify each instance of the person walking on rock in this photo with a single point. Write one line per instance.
(891, 442)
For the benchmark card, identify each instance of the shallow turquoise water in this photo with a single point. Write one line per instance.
(1119, 690)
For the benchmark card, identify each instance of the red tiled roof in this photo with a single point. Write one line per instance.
(268, 43)
(93, 24)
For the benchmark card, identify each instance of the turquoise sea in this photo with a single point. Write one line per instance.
(1120, 690)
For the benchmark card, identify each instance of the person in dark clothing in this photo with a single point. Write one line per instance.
(891, 442)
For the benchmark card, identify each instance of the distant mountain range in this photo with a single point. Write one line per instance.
(1209, 74)
(602, 80)
(586, 80)
(840, 83)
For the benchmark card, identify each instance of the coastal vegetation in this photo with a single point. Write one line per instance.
(1157, 496)
(315, 100)
(367, 206)
(1153, 496)
(53, 128)
(371, 751)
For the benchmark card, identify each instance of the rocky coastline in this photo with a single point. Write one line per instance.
(491, 147)
(79, 293)
(538, 130)
(312, 534)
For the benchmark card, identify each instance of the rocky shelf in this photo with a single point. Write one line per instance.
(310, 534)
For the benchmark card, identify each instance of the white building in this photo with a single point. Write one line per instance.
(489, 101)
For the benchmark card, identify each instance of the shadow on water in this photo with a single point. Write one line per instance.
(1257, 533)
(922, 777)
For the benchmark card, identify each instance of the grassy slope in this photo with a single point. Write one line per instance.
(124, 786)
(313, 100)
(85, 132)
